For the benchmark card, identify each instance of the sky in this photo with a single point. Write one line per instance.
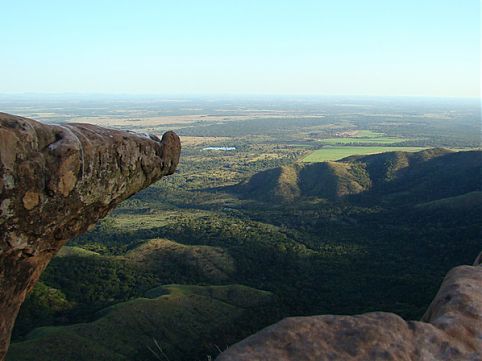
(297, 47)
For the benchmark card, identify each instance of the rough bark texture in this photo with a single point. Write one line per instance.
(55, 182)
(451, 330)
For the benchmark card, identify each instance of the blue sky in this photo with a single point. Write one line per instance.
(409, 48)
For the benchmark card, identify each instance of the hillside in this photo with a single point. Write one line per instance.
(199, 263)
(448, 331)
(392, 177)
(330, 180)
(176, 322)
(90, 281)
(464, 202)
(432, 178)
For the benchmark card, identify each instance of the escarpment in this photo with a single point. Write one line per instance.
(450, 330)
(57, 181)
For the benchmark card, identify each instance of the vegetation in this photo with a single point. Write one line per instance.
(193, 314)
(339, 152)
(238, 239)
(362, 137)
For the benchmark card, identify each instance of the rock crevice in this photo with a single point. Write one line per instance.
(55, 182)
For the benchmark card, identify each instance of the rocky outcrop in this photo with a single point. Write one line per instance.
(451, 330)
(57, 181)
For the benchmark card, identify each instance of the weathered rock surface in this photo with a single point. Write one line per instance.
(450, 330)
(55, 182)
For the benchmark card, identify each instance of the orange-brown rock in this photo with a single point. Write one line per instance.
(451, 330)
(56, 181)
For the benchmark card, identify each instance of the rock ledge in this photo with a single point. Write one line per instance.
(55, 182)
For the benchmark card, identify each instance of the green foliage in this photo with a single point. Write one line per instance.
(339, 152)
(44, 306)
(169, 260)
(186, 322)
(95, 282)
(393, 177)
(364, 137)
(369, 233)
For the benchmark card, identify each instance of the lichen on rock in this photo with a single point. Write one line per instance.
(55, 182)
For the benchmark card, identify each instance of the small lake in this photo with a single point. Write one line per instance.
(219, 148)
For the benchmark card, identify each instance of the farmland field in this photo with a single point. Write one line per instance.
(363, 140)
(361, 137)
(339, 152)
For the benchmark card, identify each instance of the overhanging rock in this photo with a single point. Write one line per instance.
(55, 182)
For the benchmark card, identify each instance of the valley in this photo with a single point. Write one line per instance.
(300, 207)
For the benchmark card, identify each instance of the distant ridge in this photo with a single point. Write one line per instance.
(394, 176)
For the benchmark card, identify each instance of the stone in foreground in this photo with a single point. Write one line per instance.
(451, 330)
(55, 182)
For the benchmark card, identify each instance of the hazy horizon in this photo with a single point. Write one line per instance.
(221, 96)
(306, 47)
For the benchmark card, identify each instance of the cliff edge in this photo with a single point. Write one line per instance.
(55, 182)
(450, 330)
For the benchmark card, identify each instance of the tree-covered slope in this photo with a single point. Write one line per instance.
(165, 258)
(176, 322)
(330, 180)
(393, 176)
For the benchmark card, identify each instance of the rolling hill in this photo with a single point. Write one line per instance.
(330, 180)
(172, 322)
(200, 263)
(400, 177)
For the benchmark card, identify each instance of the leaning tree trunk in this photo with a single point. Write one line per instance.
(55, 182)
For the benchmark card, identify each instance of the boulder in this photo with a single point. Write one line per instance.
(450, 330)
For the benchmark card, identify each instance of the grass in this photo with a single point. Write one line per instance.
(204, 263)
(465, 201)
(364, 137)
(367, 134)
(123, 222)
(179, 321)
(68, 251)
(361, 140)
(339, 152)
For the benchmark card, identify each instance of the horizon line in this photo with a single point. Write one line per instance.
(230, 95)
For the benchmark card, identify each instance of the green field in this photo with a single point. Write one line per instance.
(367, 134)
(364, 137)
(339, 152)
(362, 140)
